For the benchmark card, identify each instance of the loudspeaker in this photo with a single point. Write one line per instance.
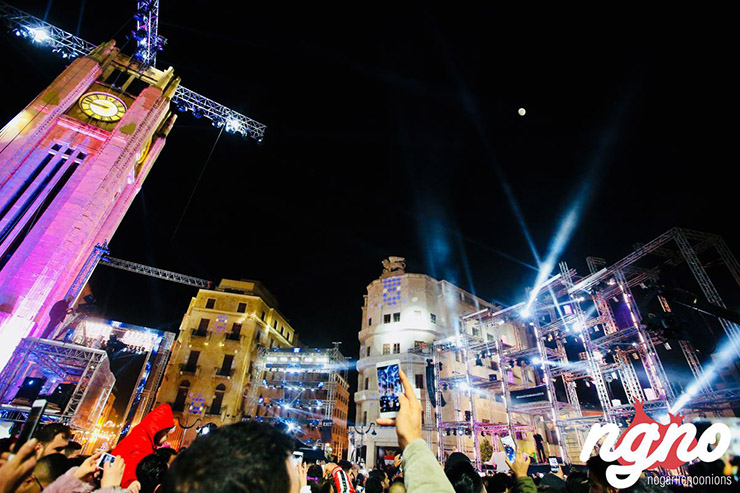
(62, 394)
(492, 377)
(29, 390)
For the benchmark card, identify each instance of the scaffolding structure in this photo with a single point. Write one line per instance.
(582, 334)
(304, 388)
(59, 363)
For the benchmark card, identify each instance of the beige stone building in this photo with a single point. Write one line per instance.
(403, 315)
(214, 359)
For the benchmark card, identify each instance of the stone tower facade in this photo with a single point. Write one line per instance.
(71, 163)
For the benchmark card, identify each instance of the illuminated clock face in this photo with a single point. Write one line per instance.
(102, 106)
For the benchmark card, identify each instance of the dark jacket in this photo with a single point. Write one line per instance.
(140, 441)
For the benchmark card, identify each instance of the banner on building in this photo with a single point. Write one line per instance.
(528, 396)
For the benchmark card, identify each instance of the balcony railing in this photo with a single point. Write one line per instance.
(177, 407)
(230, 336)
(219, 372)
(198, 332)
(211, 411)
(186, 369)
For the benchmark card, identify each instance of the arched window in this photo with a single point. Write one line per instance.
(182, 394)
(218, 399)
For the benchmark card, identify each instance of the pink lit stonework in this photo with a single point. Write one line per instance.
(67, 179)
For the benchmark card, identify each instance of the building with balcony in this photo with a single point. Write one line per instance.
(305, 390)
(214, 359)
(403, 314)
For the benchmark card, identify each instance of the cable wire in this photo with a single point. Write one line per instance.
(196, 184)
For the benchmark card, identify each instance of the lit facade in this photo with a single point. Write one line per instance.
(306, 389)
(403, 313)
(215, 356)
(71, 163)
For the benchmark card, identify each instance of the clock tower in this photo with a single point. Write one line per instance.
(71, 163)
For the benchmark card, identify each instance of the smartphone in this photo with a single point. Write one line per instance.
(32, 422)
(509, 447)
(389, 387)
(297, 458)
(106, 457)
(553, 464)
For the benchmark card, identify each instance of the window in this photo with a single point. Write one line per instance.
(368, 351)
(397, 317)
(367, 383)
(419, 344)
(457, 356)
(387, 318)
(236, 329)
(386, 349)
(433, 318)
(397, 348)
(182, 394)
(282, 330)
(489, 337)
(192, 360)
(290, 337)
(419, 381)
(274, 324)
(241, 308)
(417, 313)
(364, 418)
(217, 400)
(262, 317)
(210, 303)
(203, 325)
(226, 366)
(476, 332)
(370, 321)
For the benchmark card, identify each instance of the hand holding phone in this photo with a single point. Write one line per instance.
(408, 419)
(297, 458)
(106, 457)
(389, 388)
(554, 466)
(32, 422)
(509, 447)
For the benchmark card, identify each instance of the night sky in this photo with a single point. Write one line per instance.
(392, 129)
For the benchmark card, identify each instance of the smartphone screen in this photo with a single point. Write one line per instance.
(509, 447)
(297, 458)
(553, 464)
(106, 457)
(32, 422)
(389, 387)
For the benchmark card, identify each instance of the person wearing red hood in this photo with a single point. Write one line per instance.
(143, 440)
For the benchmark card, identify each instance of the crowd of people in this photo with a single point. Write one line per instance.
(258, 457)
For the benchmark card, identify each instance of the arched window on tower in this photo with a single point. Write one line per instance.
(182, 394)
(218, 399)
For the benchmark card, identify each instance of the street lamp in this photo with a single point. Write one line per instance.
(184, 427)
(362, 431)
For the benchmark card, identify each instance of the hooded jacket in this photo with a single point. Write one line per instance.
(140, 441)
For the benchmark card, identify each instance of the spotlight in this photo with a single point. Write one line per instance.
(233, 125)
(39, 35)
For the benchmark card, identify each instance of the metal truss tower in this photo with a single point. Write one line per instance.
(584, 308)
(148, 42)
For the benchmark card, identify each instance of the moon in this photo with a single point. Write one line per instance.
(522, 112)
